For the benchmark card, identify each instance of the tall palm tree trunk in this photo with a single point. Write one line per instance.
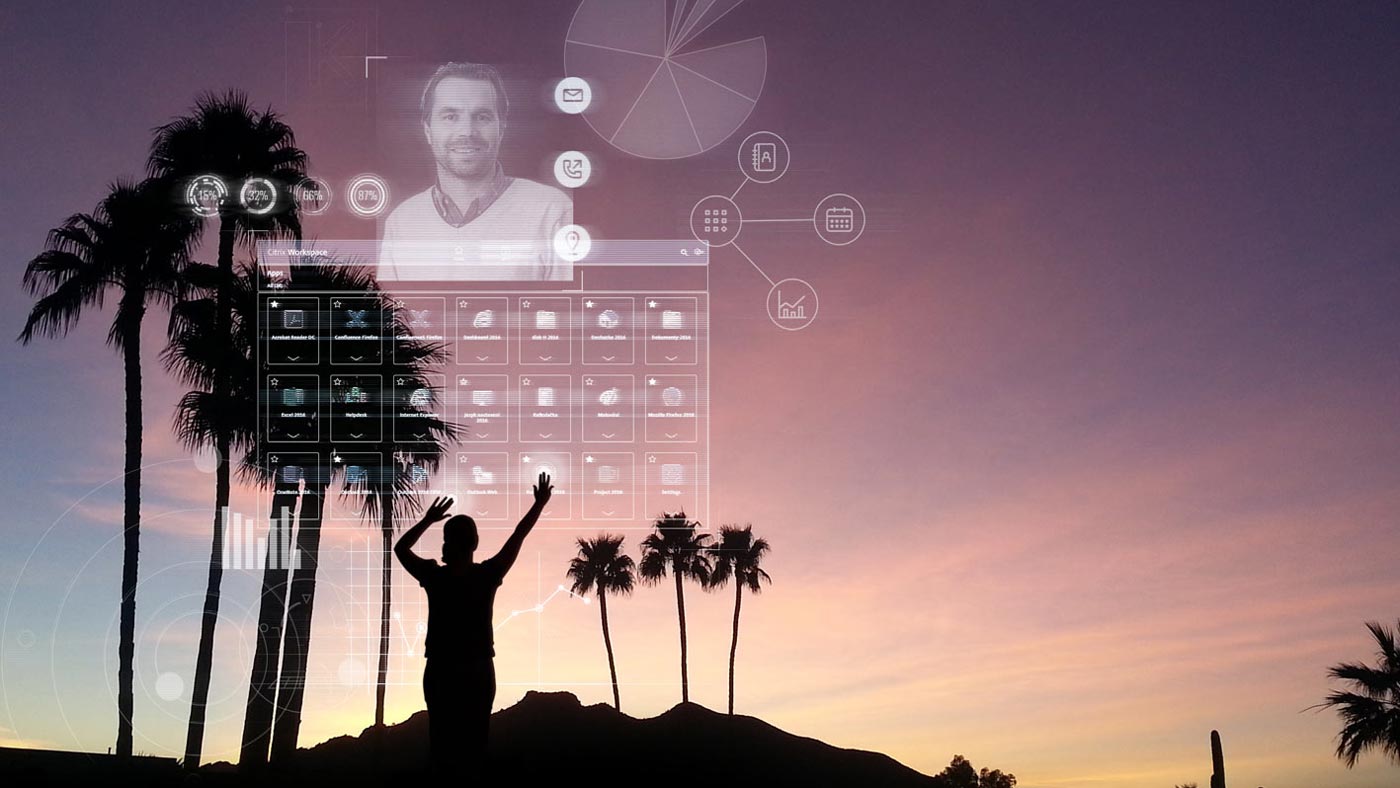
(734, 644)
(680, 605)
(262, 687)
(385, 601)
(131, 533)
(204, 663)
(223, 318)
(607, 641)
(291, 688)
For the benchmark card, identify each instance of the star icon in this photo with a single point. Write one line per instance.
(525, 458)
(589, 458)
(336, 303)
(651, 304)
(274, 304)
(651, 382)
(588, 381)
(525, 304)
(337, 458)
(588, 304)
(524, 381)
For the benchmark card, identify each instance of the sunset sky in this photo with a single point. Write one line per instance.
(1091, 450)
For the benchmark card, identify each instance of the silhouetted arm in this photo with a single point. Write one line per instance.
(415, 564)
(511, 550)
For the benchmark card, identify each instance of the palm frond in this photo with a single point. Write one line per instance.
(1371, 715)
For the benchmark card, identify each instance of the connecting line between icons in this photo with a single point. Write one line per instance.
(738, 249)
(540, 607)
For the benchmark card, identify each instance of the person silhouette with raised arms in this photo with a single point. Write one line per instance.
(459, 673)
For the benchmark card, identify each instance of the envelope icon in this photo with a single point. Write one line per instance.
(573, 95)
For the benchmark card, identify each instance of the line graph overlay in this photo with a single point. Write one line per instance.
(539, 607)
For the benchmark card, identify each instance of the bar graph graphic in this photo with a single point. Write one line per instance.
(791, 310)
(244, 549)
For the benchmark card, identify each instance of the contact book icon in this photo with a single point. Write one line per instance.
(765, 156)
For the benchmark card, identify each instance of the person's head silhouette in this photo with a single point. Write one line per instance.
(459, 539)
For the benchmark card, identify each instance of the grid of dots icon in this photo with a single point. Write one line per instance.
(716, 220)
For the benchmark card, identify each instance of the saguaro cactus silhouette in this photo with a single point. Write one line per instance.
(1217, 759)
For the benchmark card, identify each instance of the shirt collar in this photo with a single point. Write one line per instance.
(450, 213)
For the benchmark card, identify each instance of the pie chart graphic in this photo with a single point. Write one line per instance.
(667, 79)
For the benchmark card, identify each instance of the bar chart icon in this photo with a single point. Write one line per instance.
(791, 310)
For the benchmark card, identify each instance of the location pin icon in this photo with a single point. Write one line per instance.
(571, 238)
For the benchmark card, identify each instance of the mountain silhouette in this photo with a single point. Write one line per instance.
(552, 735)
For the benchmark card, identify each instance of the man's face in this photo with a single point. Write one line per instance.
(463, 127)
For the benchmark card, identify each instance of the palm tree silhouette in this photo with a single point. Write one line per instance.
(601, 564)
(225, 137)
(1371, 712)
(134, 245)
(193, 355)
(738, 555)
(345, 277)
(675, 546)
(390, 491)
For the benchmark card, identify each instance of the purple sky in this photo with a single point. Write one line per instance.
(1091, 449)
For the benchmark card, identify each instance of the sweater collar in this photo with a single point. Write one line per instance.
(455, 216)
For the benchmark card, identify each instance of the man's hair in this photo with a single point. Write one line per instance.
(465, 71)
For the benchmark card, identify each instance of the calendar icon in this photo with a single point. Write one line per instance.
(840, 220)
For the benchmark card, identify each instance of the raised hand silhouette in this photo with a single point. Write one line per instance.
(543, 489)
(438, 510)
